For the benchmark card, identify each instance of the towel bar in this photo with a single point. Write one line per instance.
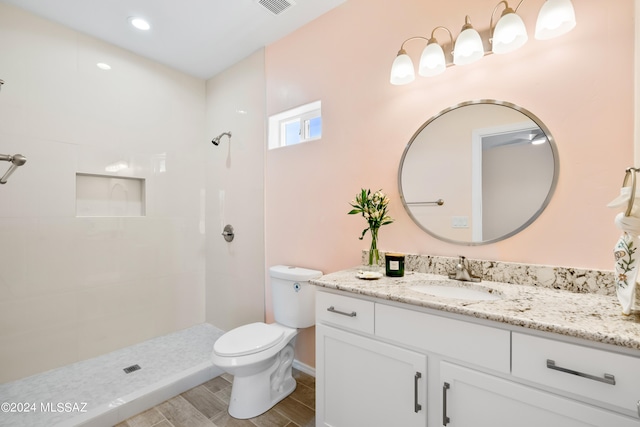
(438, 202)
(16, 160)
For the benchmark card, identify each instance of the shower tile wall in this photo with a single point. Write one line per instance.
(234, 178)
(72, 288)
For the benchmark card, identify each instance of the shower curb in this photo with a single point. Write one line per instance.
(120, 409)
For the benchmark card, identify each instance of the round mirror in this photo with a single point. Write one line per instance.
(478, 172)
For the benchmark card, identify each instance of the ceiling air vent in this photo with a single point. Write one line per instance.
(276, 6)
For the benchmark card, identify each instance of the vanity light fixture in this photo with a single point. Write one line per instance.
(402, 68)
(509, 32)
(432, 60)
(468, 46)
(556, 17)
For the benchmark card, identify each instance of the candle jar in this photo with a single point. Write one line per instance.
(394, 264)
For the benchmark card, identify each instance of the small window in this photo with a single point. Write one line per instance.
(297, 125)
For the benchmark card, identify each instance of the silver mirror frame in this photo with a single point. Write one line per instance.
(545, 203)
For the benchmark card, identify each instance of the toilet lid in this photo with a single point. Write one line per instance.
(248, 339)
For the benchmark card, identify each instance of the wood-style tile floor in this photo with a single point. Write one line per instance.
(206, 406)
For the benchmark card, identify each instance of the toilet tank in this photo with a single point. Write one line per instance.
(293, 296)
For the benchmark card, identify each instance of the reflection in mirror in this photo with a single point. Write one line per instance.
(478, 172)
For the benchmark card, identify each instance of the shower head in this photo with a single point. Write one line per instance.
(216, 140)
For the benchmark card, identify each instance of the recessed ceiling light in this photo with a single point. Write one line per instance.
(139, 23)
(103, 66)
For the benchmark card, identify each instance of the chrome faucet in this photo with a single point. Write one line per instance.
(462, 271)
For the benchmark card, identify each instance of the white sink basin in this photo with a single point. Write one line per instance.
(456, 292)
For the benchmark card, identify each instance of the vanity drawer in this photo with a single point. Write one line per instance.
(344, 312)
(466, 341)
(608, 377)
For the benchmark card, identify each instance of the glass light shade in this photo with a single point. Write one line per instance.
(556, 18)
(510, 34)
(468, 47)
(432, 61)
(402, 70)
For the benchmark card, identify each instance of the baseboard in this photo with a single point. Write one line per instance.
(304, 368)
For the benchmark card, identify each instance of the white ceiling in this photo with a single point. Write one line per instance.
(197, 37)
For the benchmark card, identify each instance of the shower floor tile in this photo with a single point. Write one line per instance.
(100, 385)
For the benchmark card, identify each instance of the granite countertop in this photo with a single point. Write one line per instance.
(582, 315)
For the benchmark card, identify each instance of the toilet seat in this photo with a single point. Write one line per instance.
(248, 339)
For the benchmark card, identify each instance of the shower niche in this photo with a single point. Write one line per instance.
(110, 196)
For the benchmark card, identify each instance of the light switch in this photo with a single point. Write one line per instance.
(460, 221)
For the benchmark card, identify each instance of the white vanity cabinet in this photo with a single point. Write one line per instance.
(606, 378)
(361, 381)
(364, 382)
(372, 370)
(471, 398)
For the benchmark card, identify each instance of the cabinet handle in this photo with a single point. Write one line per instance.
(608, 378)
(445, 419)
(416, 406)
(333, 310)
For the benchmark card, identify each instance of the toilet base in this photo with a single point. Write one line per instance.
(255, 394)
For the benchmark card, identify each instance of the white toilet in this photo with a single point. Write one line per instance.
(260, 355)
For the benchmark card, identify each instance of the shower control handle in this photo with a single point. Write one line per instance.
(228, 233)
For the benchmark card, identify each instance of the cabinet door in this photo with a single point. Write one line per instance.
(363, 382)
(474, 399)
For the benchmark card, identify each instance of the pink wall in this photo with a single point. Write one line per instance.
(579, 85)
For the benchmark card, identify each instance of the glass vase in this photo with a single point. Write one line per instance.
(374, 255)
